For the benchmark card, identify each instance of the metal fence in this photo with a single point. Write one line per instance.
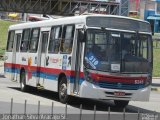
(93, 115)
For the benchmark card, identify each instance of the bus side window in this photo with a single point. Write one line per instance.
(143, 45)
(10, 41)
(67, 39)
(34, 40)
(25, 40)
(55, 37)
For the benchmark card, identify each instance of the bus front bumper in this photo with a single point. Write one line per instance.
(88, 90)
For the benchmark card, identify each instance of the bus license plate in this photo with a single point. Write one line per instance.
(119, 93)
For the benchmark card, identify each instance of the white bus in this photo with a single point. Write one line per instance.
(92, 56)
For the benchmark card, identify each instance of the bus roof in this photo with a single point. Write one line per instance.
(64, 20)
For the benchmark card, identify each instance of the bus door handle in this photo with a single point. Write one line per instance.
(47, 61)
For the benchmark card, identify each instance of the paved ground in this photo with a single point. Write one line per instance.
(1, 68)
(10, 90)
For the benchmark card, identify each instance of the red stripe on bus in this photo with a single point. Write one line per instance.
(116, 79)
(43, 69)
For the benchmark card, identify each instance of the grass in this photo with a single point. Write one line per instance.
(156, 62)
(3, 34)
(3, 39)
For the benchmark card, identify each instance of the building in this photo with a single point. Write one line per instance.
(150, 11)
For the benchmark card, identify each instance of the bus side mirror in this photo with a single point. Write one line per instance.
(81, 36)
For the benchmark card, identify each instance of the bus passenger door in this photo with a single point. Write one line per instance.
(15, 55)
(77, 67)
(42, 59)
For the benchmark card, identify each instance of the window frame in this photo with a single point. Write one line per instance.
(63, 38)
(140, 47)
(18, 44)
(9, 41)
(54, 40)
(31, 39)
(28, 41)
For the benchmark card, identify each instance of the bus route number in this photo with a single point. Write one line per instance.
(93, 60)
(139, 82)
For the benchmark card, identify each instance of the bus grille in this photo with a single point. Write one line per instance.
(123, 86)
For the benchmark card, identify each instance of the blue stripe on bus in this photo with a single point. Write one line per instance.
(121, 86)
(43, 75)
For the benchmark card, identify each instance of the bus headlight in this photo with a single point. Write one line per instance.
(88, 77)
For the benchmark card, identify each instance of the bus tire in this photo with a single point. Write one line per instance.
(23, 85)
(121, 103)
(62, 90)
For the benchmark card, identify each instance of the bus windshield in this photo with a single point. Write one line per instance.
(114, 51)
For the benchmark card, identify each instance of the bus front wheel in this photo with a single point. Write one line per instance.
(23, 85)
(63, 97)
(121, 103)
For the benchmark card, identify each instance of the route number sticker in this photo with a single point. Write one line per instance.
(92, 60)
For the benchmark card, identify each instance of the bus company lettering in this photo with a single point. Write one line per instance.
(55, 60)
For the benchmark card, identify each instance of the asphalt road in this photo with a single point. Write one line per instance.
(9, 89)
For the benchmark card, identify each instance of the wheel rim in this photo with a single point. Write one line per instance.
(63, 90)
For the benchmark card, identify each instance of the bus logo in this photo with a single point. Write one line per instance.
(119, 85)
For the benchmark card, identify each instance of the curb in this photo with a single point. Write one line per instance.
(155, 84)
(155, 77)
(155, 89)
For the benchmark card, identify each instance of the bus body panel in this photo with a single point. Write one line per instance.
(54, 69)
(12, 58)
(8, 65)
(89, 90)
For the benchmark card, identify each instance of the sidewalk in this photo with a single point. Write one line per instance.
(1, 68)
(156, 81)
(156, 84)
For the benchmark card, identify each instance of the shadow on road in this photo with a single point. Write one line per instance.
(88, 104)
